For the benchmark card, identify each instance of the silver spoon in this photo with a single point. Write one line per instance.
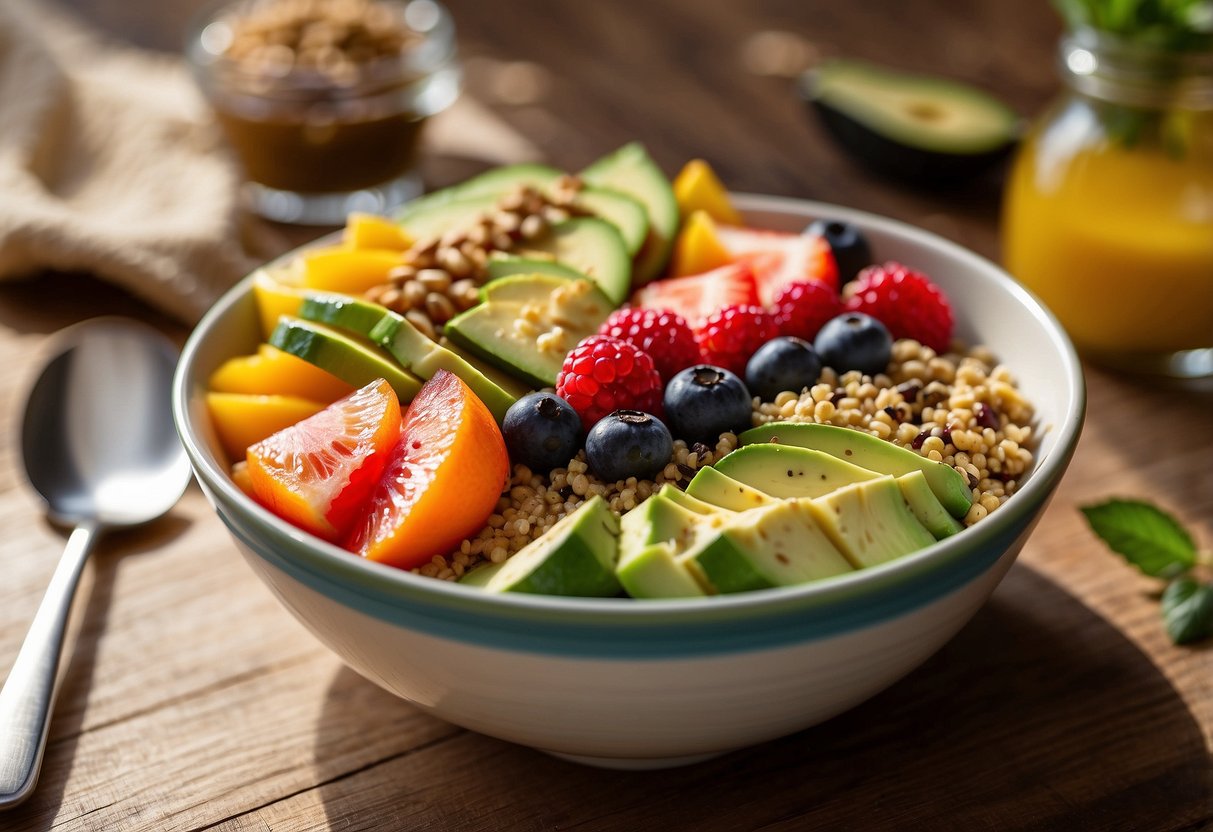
(99, 446)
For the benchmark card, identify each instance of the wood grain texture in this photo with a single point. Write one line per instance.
(191, 700)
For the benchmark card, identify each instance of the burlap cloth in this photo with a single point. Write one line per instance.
(110, 164)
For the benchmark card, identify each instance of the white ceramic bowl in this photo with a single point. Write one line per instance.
(624, 683)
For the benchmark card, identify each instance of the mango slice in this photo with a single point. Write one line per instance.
(275, 299)
(371, 231)
(697, 188)
(351, 271)
(242, 419)
(698, 248)
(272, 372)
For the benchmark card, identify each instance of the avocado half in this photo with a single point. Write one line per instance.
(919, 128)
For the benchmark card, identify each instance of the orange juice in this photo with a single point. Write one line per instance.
(1116, 240)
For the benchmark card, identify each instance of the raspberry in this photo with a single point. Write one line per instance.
(905, 301)
(730, 335)
(603, 374)
(804, 306)
(664, 335)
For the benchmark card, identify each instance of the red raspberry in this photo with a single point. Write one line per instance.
(803, 307)
(905, 301)
(602, 374)
(664, 335)
(730, 335)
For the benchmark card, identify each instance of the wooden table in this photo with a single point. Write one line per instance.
(191, 700)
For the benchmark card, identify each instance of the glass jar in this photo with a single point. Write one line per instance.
(319, 140)
(1108, 215)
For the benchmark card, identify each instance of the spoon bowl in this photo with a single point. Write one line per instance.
(98, 444)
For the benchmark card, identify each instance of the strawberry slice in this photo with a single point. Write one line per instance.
(779, 258)
(694, 297)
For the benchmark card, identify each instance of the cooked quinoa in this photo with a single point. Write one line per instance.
(962, 409)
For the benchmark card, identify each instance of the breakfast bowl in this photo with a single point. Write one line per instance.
(623, 683)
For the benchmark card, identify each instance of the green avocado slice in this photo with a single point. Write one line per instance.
(776, 545)
(870, 522)
(504, 265)
(590, 246)
(353, 360)
(867, 451)
(789, 471)
(414, 351)
(721, 490)
(575, 558)
(528, 323)
(631, 171)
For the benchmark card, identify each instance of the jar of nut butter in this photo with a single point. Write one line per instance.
(323, 101)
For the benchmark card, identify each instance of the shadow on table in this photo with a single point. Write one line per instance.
(1038, 715)
(89, 617)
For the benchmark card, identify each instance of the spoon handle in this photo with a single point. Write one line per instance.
(29, 693)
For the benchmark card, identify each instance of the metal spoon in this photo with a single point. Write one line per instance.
(99, 446)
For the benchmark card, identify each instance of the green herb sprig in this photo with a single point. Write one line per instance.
(1158, 545)
(1180, 25)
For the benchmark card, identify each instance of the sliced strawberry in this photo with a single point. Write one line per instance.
(779, 258)
(696, 296)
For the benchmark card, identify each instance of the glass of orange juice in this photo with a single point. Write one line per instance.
(1108, 214)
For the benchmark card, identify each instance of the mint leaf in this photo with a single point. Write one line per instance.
(1187, 610)
(1145, 535)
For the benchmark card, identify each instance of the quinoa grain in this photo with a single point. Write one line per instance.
(932, 404)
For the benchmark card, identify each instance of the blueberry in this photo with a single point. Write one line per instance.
(850, 247)
(703, 401)
(542, 431)
(628, 443)
(855, 341)
(782, 364)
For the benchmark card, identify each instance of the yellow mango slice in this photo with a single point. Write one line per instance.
(241, 419)
(274, 299)
(697, 188)
(272, 372)
(698, 248)
(371, 231)
(350, 271)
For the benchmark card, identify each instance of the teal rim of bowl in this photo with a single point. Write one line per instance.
(347, 578)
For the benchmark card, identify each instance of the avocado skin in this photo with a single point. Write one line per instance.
(913, 165)
(900, 158)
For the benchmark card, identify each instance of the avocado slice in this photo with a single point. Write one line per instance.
(630, 170)
(789, 471)
(776, 545)
(494, 183)
(575, 558)
(711, 486)
(920, 128)
(689, 501)
(926, 506)
(453, 214)
(620, 210)
(870, 522)
(650, 537)
(504, 265)
(353, 360)
(951, 489)
(462, 205)
(528, 323)
(592, 247)
(409, 346)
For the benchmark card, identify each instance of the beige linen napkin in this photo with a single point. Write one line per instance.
(110, 164)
